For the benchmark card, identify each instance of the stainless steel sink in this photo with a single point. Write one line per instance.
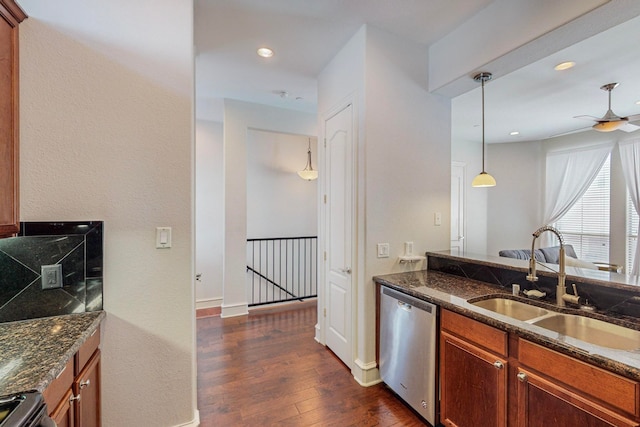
(592, 331)
(515, 309)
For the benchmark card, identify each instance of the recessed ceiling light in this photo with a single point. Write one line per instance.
(564, 66)
(514, 133)
(265, 52)
(638, 102)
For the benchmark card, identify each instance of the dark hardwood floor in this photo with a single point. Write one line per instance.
(267, 369)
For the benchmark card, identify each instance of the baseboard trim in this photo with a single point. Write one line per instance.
(234, 310)
(195, 422)
(366, 374)
(208, 303)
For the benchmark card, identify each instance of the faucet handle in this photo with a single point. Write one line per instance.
(573, 299)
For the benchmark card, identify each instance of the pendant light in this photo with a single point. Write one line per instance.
(483, 179)
(308, 173)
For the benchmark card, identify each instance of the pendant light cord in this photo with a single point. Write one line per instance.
(483, 125)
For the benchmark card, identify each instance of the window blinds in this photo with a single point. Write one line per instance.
(586, 224)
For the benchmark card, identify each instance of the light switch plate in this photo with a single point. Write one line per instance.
(437, 218)
(383, 250)
(163, 237)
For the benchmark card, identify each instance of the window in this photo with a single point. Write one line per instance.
(632, 233)
(586, 225)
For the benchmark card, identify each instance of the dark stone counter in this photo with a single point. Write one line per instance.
(454, 293)
(33, 352)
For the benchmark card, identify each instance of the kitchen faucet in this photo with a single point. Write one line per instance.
(561, 290)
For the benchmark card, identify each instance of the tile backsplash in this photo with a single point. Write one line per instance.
(77, 246)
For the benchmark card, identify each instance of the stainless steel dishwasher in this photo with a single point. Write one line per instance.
(408, 350)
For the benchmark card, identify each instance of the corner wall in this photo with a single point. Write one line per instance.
(209, 213)
(102, 140)
(239, 118)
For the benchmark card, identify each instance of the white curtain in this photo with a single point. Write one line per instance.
(630, 156)
(569, 174)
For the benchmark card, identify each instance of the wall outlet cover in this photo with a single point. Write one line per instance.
(51, 276)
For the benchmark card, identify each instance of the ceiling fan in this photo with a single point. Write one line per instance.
(611, 121)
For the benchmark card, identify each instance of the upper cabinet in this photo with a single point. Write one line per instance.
(11, 15)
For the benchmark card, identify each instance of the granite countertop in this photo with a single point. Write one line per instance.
(454, 293)
(33, 352)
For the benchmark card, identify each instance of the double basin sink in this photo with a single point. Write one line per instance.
(586, 329)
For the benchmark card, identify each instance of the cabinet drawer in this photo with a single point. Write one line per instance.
(483, 335)
(614, 390)
(56, 390)
(86, 351)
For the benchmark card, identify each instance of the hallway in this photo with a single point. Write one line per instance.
(267, 369)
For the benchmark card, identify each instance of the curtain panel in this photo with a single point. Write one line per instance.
(630, 156)
(569, 174)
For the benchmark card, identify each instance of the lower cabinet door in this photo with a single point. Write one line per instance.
(542, 403)
(473, 385)
(63, 415)
(87, 388)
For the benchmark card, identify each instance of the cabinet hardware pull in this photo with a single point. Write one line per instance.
(498, 364)
(72, 398)
(84, 384)
(522, 377)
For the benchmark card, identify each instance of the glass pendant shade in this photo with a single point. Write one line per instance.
(483, 179)
(308, 173)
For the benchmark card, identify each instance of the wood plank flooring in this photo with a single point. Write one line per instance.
(266, 369)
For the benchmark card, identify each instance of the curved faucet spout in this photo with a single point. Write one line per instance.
(561, 289)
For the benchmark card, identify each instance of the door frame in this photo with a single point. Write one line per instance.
(463, 226)
(356, 233)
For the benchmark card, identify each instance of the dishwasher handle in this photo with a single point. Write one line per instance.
(405, 301)
(404, 306)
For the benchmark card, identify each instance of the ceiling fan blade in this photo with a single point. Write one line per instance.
(592, 118)
(569, 132)
(628, 127)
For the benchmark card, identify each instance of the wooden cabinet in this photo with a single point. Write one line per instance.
(473, 373)
(87, 390)
(543, 402)
(73, 398)
(11, 15)
(554, 388)
(491, 379)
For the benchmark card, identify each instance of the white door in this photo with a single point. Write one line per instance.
(457, 208)
(338, 229)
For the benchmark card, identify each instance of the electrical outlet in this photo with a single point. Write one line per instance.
(51, 276)
(383, 250)
(437, 218)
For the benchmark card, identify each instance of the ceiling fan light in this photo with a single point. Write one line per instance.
(483, 179)
(609, 126)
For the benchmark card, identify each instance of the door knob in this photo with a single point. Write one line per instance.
(346, 270)
(522, 376)
(498, 364)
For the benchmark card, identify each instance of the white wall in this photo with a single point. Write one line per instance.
(408, 164)
(279, 202)
(209, 213)
(514, 205)
(239, 117)
(403, 163)
(104, 137)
